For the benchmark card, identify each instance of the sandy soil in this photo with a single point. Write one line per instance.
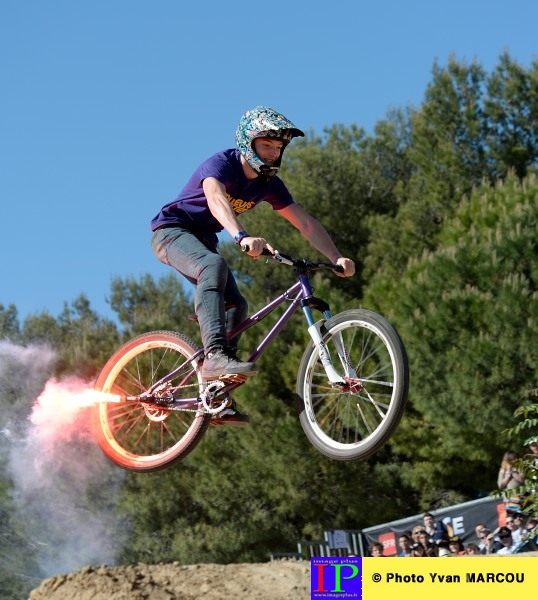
(277, 580)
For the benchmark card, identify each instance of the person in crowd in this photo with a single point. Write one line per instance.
(510, 523)
(418, 550)
(509, 479)
(492, 544)
(376, 549)
(424, 539)
(405, 544)
(479, 529)
(519, 530)
(532, 527)
(415, 533)
(508, 544)
(442, 549)
(472, 549)
(436, 529)
(456, 547)
(532, 533)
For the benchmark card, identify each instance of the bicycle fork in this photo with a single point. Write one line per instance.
(314, 329)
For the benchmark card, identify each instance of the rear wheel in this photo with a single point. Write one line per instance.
(354, 421)
(147, 437)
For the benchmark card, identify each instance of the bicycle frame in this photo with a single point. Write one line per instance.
(301, 295)
(304, 295)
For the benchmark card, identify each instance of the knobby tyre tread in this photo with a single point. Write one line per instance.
(355, 423)
(141, 438)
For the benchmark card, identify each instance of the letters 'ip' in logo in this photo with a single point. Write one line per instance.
(335, 576)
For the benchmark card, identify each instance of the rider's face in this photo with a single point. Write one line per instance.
(268, 149)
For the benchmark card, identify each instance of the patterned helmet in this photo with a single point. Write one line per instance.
(263, 122)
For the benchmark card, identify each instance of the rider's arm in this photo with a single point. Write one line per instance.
(220, 208)
(317, 235)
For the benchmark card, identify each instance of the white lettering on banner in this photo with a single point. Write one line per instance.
(457, 526)
(456, 523)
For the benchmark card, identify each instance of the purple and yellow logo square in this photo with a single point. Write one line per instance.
(335, 577)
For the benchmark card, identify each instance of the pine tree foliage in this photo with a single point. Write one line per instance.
(345, 177)
(471, 127)
(81, 338)
(9, 323)
(468, 315)
(147, 305)
(512, 111)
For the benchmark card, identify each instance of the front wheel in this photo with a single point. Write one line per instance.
(354, 420)
(147, 437)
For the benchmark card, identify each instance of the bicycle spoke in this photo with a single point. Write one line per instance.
(147, 436)
(355, 418)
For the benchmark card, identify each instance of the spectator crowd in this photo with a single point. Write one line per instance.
(432, 539)
(518, 533)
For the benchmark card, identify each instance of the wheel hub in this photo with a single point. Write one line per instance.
(353, 385)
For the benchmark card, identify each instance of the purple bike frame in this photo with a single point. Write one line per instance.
(297, 294)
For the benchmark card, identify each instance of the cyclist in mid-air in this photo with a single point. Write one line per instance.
(185, 233)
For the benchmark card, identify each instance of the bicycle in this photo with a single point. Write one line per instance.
(352, 383)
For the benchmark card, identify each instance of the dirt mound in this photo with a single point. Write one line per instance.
(277, 580)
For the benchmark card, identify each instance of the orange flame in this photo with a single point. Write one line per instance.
(59, 411)
(89, 397)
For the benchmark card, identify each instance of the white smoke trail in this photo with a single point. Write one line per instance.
(65, 490)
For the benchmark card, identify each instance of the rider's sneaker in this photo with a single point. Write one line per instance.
(230, 416)
(223, 362)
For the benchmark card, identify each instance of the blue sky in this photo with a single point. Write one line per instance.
(107, 106)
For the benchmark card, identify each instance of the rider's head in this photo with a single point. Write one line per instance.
(264, 122)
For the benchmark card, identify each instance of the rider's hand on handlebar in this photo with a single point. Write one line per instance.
(254, 246)
(347, 265)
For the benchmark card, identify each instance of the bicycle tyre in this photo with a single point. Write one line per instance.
(134, 435)
(352, 424)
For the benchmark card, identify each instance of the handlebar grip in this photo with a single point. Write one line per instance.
(265, 251)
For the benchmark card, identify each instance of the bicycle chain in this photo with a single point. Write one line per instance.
(206, 399)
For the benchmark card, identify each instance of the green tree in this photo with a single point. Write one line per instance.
(17, 553)
(82, 339)
(9, 323)
(471, 127)
(511, 110)
(468, 315)
(145, 304)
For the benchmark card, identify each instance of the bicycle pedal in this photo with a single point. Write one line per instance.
(234, 378)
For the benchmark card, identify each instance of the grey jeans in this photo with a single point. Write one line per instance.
(218, 303)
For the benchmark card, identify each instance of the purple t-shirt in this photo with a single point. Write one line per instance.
(190, 210)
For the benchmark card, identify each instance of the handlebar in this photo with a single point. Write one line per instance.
(302, 263)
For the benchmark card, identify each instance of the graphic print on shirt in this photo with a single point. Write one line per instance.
(239, 206)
